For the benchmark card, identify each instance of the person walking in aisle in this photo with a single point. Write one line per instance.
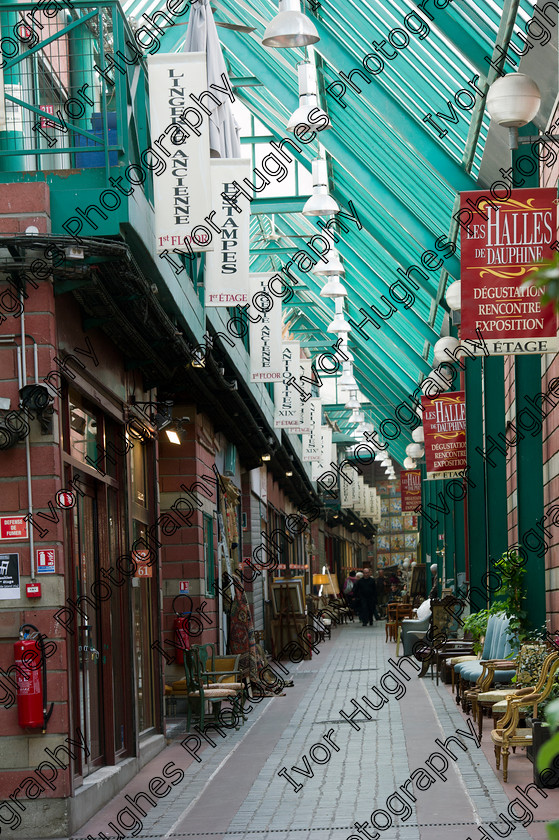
(366, 593)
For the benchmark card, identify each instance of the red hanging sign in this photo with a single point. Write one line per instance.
(444, 427)
(501, 248)
(142, 558)
(410, 490)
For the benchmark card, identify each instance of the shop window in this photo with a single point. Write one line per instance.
(209, 556)
(138, 474)
(83, 431)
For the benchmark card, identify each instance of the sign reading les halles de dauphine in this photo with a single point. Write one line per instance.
(227, 266)
(181, 192)
(503, 244)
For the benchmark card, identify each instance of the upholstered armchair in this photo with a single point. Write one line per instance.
(415, 628)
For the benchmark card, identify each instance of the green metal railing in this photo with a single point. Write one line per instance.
(75, 90)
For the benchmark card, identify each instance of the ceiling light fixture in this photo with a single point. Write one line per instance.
(290, 28)
(321, 202)
(353, 403)
(308, 101)
(513, 101)
(339, 324)
(333, 288)
(333, 265)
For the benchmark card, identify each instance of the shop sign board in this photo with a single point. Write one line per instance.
(264, 336)
(444, 426)
(287, 399)
(410, 490)
(181, 183)
(312, 411)
(141, 557)
(499, 254)
(13, 528)
(9, 577)
(325, 453)
(227, 266)
(45, 561)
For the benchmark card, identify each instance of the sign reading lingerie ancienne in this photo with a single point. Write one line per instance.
(410, 490)
(287, 399)
(181, 186)
(227, 266)
(502, 247)
(264, 335)
(444, 427)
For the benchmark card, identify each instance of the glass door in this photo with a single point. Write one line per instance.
(88, 622)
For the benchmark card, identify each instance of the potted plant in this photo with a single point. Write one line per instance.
(548, 757)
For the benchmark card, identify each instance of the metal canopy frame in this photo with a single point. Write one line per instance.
(401, 175)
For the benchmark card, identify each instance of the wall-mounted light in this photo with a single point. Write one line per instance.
(453, 295)
(289, 473)
(267, 457)
(173, 436)
(513, 101)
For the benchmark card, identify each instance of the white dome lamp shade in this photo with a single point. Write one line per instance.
(436, 383)
(418, 435)
(356, 416)
(321, 202)
(445, 349)
(333, 265)
(339, 324)
(345, 353)
(308, 100)
(453, 296)
(386, 462)
(333, 288)
(415, 451)
(347, 379)
(409, 464)
(290, 28)
(392, 478)
(353, 403)
(512, 101)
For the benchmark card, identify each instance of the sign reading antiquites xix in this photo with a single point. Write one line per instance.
(503, 244)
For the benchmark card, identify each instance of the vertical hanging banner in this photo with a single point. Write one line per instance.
(287, 399)
(265, 336)
(410, 490)
(325, 453)
(305, 371)
(226, 281)
(499, 253)
(312, 444)
(444, 426)
(344, 493)
(181, 183)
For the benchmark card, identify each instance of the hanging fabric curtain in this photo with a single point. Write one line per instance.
(201, 36)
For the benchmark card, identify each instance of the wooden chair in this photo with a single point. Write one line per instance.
(395, 614)
(507, 734)
(197, 691)
(526, 684)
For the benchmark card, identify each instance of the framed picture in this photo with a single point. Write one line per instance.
(410, 541)
(409, 522)
(383, 543)
(289, 595)
(396, 542)
(384, 507)
(396, 505)
(395, 523)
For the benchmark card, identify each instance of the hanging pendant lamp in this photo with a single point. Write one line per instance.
(308, 113)
(321, 202)
(290, 28)
(332, 266)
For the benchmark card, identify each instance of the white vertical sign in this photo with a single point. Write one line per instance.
(311, 440)
(323, 464)
(265, 336)
(305, 370)
(2, 102)
(181, 183)
(287, 399)
(227, 266)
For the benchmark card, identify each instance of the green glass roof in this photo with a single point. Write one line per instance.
(401, 175)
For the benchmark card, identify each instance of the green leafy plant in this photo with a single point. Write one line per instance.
(548, 757)
(547, 279)
(476, 624)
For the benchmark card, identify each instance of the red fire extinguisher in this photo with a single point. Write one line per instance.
(182, 637)
(31, 674)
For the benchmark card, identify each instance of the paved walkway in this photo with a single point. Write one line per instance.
(353, 777)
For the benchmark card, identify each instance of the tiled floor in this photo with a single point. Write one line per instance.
(359, 774)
